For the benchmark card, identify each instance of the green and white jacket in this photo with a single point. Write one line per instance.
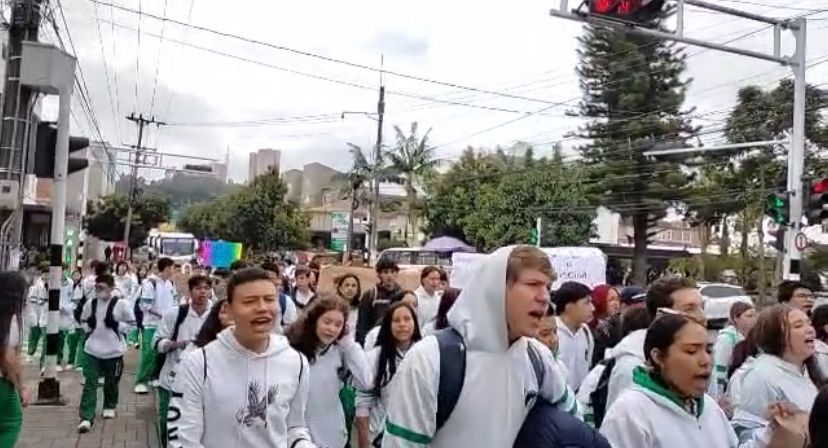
(722, 355)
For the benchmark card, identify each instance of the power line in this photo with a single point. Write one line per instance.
(158, 64)
(138, 51)
(792, 8)
(112, 100)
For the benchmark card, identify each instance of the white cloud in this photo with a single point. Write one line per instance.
(510, 46)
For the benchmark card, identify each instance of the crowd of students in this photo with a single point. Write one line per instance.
(265, 358)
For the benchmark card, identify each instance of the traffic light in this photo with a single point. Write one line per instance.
(533, 237)
(817, 205)
(627, 10)
(45, 152)
(777, 208)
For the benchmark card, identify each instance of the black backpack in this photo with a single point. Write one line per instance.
(78, 311)
(161, 358)
(598, 398)
(453, 371)
(109, 320)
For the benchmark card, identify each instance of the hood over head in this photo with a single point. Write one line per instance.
(479, 314)
(631, 345)
(277, 344)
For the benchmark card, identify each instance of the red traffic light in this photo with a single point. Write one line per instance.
(820, 186)
(620, 8)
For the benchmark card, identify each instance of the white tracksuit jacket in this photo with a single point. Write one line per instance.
(499, 384)
(648, 416)
(162, 341)
(324, 414)
(246, 399)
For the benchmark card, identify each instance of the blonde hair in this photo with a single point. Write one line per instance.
(528, 257)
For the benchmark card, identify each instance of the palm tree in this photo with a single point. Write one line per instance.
(412, 159)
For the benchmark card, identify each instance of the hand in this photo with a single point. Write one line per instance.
(25, 398)
(789, 426)
(182, 344)
(724, 403)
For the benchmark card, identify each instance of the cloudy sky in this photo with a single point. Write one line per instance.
(218, 92)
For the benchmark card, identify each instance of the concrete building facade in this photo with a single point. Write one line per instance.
(263, 161)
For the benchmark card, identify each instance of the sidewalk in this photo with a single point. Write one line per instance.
(56, 427)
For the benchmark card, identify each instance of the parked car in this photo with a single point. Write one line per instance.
(718, 298)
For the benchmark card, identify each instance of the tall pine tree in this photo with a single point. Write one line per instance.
(633, 92)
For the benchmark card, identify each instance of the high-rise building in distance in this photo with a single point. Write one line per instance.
(263, 161)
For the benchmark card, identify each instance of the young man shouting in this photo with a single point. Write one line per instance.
(248, 388)
(503, 370)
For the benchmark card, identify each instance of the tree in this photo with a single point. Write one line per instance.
(182, 189)
(633, 95)
(107, 218)
(256, 215)
(489, 203)
(413, 159)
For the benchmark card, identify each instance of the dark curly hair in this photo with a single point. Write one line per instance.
(302, 334)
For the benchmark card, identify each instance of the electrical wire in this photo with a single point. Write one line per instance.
(158, 64)
(138, 51)
(113, 99)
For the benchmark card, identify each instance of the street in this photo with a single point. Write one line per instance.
(56, 427)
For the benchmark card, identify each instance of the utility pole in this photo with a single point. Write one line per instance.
(133, 182)
(18, 100)
(375, 207)
(626, 20)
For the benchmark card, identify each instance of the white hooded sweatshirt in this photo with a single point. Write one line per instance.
(650, 416)
(427, 305)
(726, 340)
(628, 354)
(246, 399)
(367, 403)
(38, 304)
(162, 341)
(326, 419)
(499, 384)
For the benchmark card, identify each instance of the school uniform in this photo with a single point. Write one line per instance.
(575, 352)
(38, 315)
(726, 340)
(162, 342)
(11, 411)
(76, 337)
(155, 298)
(104, 348)
(649, 415)
(372, 405)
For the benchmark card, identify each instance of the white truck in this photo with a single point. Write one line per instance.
(180, 247)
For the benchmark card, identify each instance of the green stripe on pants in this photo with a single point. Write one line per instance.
(146, 367)
(11, 414)
(163, 407)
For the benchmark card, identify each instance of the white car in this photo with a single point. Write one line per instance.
(718, 298)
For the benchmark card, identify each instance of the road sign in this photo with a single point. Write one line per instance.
(800, 241)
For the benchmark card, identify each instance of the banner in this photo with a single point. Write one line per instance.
(218, 254)
(586, 265)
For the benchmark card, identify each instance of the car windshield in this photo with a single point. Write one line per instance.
(719, 292)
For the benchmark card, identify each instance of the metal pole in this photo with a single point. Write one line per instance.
(133, 185)
(375, 207)
(538, 229)
(665, 152)
(48, 391)
(796, 155)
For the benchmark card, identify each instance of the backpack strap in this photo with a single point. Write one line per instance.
(204, 354)
(452, 373)
(179, 319)
(537, 363)
(92, 320)
(109, 318)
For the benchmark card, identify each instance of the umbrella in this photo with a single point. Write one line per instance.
(448, 244)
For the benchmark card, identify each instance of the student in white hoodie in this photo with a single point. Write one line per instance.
(156, 298)
(670, 293)
(573, 304)
(401, 296)
(428, 294)
(38, 314)
(399, 330)
(349, 289)
(322, 336)
(667, 406)
(742, 319)
(785, 371)
(76, 338)
(248, 388)
(106, 319)
(497, 318)
(178, 328)
(124, 280)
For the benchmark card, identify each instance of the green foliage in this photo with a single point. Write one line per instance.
(107, 218)
(413, 160)
(181, 190)
(490, 201)
(633, 91)
(256, 215)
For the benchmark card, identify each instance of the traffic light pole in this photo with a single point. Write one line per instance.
(797, 62)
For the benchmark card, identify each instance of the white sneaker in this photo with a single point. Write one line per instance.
(100, 381)
(109, 413)
(78, 368)
(59, 369)
(155, 383)
(84, 426)
(69, 366)
(141, 389)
